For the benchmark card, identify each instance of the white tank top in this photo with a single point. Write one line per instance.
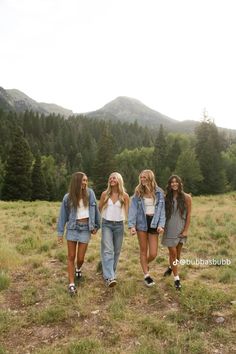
(82, 211)
(113, 211)
(149, 206)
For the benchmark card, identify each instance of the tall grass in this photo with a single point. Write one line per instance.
(129, 318)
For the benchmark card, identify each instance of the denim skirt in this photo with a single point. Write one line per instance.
(81, 233)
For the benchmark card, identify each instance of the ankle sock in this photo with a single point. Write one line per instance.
(146, 275)
(176, 277)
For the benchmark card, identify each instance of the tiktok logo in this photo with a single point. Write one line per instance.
(176, 262)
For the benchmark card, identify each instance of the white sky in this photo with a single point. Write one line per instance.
(176, 56)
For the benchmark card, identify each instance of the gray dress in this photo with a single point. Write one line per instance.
(173, 228)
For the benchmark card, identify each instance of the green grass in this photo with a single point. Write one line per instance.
(85, 346)
(4, 281)
(200, 300)
(129, 318)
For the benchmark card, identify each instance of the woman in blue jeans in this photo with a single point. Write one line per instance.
(79, 211)
(113, 205)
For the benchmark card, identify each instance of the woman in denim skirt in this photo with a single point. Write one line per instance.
(178, 214)
(79, 211)
(147, 219)
(113, 205)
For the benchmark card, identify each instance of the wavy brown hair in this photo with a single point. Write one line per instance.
(76, 193)
(151, 186)
(169, 198)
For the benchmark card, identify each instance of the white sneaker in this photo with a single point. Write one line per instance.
(111, 282)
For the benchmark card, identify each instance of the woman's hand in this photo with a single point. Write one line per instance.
(183, 234)
(160, 230)
(59, 240)
(132, 231)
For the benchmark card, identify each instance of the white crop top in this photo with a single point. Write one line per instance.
(113, 211)
(149, 204)
(82, 211)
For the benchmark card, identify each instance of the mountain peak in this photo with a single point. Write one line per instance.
(18, 101)
(130, 109)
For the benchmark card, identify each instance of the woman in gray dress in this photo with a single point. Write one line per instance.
(178, 213)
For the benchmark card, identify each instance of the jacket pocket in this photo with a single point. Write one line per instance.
(71, 225)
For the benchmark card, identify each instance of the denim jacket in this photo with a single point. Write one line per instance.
(68, 215)
(137, 216)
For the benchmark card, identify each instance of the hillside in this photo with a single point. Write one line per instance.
(124, 109)
(18, 101)
(37, 315)
(128, 109)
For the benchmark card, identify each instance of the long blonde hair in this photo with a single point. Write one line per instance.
(75, 190)
(121, 189)
(151, 186)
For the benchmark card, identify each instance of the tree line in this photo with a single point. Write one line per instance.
(38, 154)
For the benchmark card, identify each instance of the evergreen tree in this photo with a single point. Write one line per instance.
(104, 164)
(131, 162)
(173, 154)
(39, 188)
(160, 167)
(208, 150)
(188, 169)
(48, 167)
(2, 173)
(229, 160)
(17, 182)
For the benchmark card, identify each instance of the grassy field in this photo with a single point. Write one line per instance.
(38, 316)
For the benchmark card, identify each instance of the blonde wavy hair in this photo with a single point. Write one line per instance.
(150, 187)
(121, 189)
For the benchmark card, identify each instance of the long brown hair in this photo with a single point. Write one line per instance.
(151, 186)
(169, 199)
(76, 193)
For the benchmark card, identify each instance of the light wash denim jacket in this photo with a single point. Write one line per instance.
(68, 215)
(137, 216)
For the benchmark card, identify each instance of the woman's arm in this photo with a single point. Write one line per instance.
(63, 216)
(126, 204)
(101, 201)
(188, 201)
(132, 214)
(97, 215)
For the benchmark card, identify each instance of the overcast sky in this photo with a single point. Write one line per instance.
(176, 56)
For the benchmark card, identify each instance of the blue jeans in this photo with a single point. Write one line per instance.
(112, 238)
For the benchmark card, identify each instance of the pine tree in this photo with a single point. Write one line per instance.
(2, 173)
(160, 167)
(39, 188)
(208, 150)
(104, 164)
(17, 182)
(173, 154)
(188, 169)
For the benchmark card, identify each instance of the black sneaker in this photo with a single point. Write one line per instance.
(72, 290)
(177, 285)
(149, 281)
(78, 274)
(167, 272)
(111, 283)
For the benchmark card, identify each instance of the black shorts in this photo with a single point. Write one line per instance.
(150, 230)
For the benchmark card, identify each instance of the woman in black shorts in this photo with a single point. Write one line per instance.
(147, 218)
